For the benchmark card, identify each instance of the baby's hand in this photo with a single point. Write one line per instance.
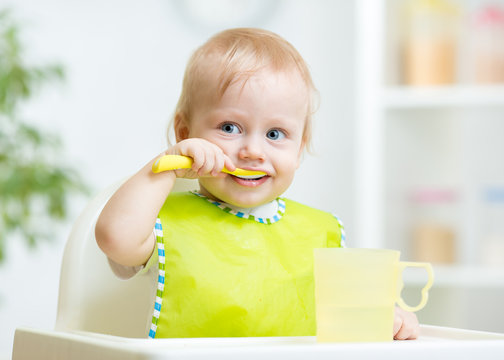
(208, 158)
(406, 326)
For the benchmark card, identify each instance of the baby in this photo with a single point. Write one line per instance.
(233, 259)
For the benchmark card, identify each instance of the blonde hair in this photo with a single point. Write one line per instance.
(235, 55)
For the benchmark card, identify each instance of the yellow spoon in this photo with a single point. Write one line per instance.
(174, 162)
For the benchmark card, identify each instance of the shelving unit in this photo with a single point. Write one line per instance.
(380, 104)
(409, 137)
(461, 96)
(461, 276)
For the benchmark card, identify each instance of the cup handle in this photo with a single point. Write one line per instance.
(425, 290)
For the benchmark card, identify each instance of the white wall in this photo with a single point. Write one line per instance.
(124, 62)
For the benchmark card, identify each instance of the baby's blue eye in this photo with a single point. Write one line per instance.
(230, 128)
(275, 134)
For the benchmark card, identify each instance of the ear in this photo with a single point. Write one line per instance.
(181, 127)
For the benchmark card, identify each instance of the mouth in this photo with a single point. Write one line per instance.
(250, 180)
(250, 177)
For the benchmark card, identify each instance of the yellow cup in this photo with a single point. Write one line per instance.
(356, 291)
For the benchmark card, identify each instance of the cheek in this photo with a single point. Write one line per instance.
(289, 162)
(296, 153)
(197, 132)
(228, 147)
(285, 177)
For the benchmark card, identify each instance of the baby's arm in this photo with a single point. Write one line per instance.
(124, 230)
(406, 325)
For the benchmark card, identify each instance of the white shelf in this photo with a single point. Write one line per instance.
(460, 276)
(407, 97)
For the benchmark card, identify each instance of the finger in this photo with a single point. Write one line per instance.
(186, 174)
(406, 332)
(218, 164)
(199, 157)
(181, 149)
(409, 329)
(209, 165)
(398, 320)
(215, 159)
(228, 163)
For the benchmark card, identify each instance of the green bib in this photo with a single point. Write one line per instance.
(222, 275)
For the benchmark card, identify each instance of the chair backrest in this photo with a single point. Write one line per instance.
(91, 297)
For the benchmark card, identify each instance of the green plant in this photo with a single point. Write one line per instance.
(34, 187)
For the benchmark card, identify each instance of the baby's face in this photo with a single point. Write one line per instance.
(259, 125)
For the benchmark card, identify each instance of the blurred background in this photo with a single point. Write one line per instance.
(408, 136)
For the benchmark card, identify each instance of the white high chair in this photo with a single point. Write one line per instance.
(91, 297)
(102, 317)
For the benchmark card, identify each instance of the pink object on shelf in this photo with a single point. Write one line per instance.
(488, 44)
(434, 195)
(490, 15)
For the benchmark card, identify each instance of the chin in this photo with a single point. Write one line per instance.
(247, 201)
(244, 203)
(238, 196)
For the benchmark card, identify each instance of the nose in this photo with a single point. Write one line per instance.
(252, 149)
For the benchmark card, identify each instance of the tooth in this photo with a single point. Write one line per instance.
(249, 177)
